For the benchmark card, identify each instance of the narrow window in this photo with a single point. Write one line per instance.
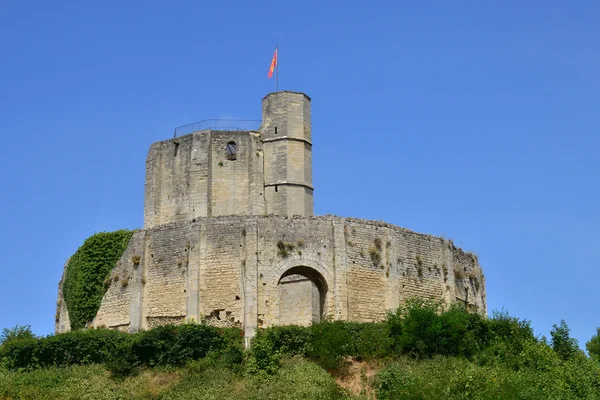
(276, 188)
(231, 151)
(276, 130)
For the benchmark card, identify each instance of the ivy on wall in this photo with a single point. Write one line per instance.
(91, 264)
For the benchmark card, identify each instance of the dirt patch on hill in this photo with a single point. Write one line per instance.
(360, 377)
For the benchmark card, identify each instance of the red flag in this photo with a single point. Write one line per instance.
(273, 64)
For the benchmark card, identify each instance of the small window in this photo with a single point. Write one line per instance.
(231, 151)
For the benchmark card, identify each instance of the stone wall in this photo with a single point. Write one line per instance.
(61, 318)
(192, 176)
(300, 300)
(259, 271)
(286, 137)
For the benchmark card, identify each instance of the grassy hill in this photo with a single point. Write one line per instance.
(420, 352)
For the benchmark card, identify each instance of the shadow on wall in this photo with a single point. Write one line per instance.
(302, 293)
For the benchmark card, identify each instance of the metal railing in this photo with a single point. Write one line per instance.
(219, 125)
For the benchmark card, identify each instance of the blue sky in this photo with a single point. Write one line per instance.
(474, 120)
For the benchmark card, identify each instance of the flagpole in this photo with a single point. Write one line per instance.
(277, 68)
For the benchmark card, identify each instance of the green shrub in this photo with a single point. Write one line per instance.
(564, 345)
(123, 362)
(290, 340)
(171, 345)
(18, 355)
(122, 352)
(582, 376)
(370, 340)
(70, 348)
(510, 329)
(87, 271)
(17, 333)
(327, 343)
(421, 329)
(331, 343)
(264, 358)
(233, 356)
(232, 336)
(457, 378)
(78, 347)
(593, 346)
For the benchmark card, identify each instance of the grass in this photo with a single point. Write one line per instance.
(83, 382)
(204, 379)
(440, 377)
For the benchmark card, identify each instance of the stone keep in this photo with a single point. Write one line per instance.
(230, 238)
(211, 173)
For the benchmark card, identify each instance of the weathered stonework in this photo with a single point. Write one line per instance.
(234, 242)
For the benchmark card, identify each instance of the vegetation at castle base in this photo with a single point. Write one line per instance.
(123, 353)
(86, 272)
(593, 346)
(428, 354)
(297, 379)
(419, 352)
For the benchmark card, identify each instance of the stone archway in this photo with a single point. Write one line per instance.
(302, 292)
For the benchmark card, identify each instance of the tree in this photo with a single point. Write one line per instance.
(16, 333)
(564, 345)
(593, 346)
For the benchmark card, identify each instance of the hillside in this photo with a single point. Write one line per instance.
(419, 352)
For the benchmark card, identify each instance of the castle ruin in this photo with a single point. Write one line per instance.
(230, 238)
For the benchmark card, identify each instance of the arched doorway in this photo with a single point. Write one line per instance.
(302, 292)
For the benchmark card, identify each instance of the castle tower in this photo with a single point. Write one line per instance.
(287, 146)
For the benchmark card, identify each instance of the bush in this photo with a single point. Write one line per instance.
(264, 358)
(457, 378)
(327, 343)
(370, 340)
(332, 342)
(87, 271)
(171, 345)
(19, 332)
(593, 346)
(291, 340)
(122, 352)
(564, 345)
(123, 362)
(232, 337)
(18, 355)
(421, 329)
(71, 348)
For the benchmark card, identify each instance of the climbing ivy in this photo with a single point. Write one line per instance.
(87, 269)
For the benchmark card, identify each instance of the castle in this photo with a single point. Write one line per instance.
(230, 238)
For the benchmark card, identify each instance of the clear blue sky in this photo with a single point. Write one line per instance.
(476, 120)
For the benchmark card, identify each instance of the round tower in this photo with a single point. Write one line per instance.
(286, 137)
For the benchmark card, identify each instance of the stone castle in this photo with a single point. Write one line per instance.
(229, 238)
